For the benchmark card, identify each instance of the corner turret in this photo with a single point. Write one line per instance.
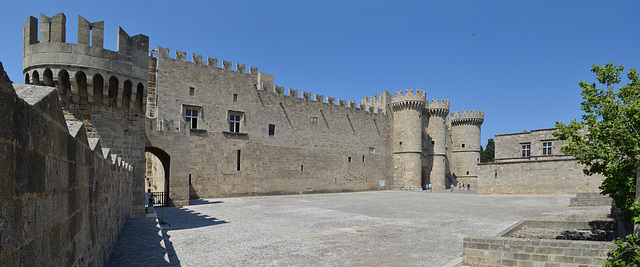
(465, 145)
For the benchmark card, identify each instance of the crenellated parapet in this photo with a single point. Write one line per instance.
(85, 73)
(377, 102)
(409, 99)
(475, 117)
(164, 53)
(438, 108)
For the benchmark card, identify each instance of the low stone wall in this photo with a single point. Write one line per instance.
(557, 176)
(63, 198)
(590, 199)
(509, 251)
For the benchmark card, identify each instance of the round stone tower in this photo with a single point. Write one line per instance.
(436, 129)
(106, 90)
(407, 149)
(465, 145)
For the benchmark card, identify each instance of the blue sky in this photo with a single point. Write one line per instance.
(519, 61)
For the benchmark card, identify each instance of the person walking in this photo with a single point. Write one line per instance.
(430, 188)
(451, 188)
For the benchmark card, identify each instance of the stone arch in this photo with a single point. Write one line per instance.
(64, 86)
(165, 160)
(139, 96)
(27, 79)
(36, 77)
(126, 94)
(81, 82)
(113, 91)
(47, 78)
(98, 87)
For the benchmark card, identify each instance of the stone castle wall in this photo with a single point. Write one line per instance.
(317, 146)
(64, 197)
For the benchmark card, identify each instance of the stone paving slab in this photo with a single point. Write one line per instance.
(382, 228)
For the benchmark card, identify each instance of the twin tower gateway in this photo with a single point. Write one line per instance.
(196, 129)
(432, 146)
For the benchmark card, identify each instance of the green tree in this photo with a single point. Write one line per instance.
(606, 140)
(488, 154)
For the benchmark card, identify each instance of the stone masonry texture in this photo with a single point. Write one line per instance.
(63, 198)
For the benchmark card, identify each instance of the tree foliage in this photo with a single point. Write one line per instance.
(606, 140)
(626, 254)
(488, 154)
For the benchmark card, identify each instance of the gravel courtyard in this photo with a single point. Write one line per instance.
(383, 228)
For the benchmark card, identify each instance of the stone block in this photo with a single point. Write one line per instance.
(28, 217)
(10, 225)
(44, 212)
(30, 254)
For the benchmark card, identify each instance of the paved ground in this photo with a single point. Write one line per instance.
(383, 228)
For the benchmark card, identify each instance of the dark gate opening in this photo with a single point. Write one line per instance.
(160, 198)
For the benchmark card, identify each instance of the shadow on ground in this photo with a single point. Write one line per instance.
(195, 202)
(139, 244)
(179, 218)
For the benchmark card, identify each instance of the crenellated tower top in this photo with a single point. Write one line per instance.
(438, 107)
(475, 117)
(409, 100)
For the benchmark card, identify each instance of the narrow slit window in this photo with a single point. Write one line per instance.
(192, 91)
(235, 97)
(238, 161)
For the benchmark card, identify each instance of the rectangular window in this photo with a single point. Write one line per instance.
(234, 122)
(192, 91)
(372, 150)
(191, 117)
(235, 97)
(526, 150)
(546, 148)
(314, 120)
(272, 129)
(238, 161)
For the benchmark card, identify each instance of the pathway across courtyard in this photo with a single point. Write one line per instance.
(382, 228)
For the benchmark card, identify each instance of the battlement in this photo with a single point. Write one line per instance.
(410, 94)
(164, 53)
(438, 107)
(409, 99)
(377, 102)
(475, 117)
(49, 57)
(53, 30)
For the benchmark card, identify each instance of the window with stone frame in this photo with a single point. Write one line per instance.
(526, 150)
(546, 148)
(313, 120)
(234, 121)
(192, 115)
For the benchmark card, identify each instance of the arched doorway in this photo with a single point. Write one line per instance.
(157, 175)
